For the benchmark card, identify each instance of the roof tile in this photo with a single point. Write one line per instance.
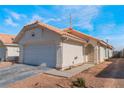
(7, 39)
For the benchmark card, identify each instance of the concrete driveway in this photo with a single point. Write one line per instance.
(16, 72)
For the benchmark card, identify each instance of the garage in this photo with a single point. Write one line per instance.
(44, 55)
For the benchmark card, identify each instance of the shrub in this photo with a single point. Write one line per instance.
(80, 82)
(106, 59)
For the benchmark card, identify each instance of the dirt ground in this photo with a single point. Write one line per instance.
(92, 76)
(5, 64)
(42, 81)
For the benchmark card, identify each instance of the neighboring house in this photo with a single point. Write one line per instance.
(8, 50)
(42, 44)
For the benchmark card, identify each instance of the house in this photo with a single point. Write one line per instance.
(95, 50)
(42, 44)
(8, 50)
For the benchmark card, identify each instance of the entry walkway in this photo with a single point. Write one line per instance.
(67, 73)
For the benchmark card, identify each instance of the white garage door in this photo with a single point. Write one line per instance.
(40, 55)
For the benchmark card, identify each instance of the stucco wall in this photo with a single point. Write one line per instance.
(41, 36)
(45, 36)
(102, 54)
(2, 53)
(12, 52)
(110, 53)
(21, 53)
(95, 47)
(89, 53)
(72, 54)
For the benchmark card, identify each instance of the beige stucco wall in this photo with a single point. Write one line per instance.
(110, 53)
(96, 54)
(43, 37)
(2, 53)
(95, 47)
(8, 51)
(12, 52)
(72, 54)
(21, 54)
(105, 53)
(89, 53)
(102, 54)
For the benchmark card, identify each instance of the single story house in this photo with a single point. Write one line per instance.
(42, 44)
(8, 50)
(95, 49)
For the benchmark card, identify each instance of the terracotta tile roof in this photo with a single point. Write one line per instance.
(87, 37)
(105, 43)
(79, 34)
(68, 32)
(38, 24)
(7, 39)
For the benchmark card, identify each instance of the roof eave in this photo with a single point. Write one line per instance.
(75, 39)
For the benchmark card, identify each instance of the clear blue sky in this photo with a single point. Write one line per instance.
(103, 22)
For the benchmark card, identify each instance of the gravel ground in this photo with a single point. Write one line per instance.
(91, 76)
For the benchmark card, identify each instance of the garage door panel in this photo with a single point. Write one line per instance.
(40, 55)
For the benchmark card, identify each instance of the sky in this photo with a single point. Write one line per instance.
(102, 22)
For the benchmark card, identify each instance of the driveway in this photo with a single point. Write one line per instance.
(115, 72)
(16, 72)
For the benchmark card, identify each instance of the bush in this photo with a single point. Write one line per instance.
(107, 60)
(80, 82)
